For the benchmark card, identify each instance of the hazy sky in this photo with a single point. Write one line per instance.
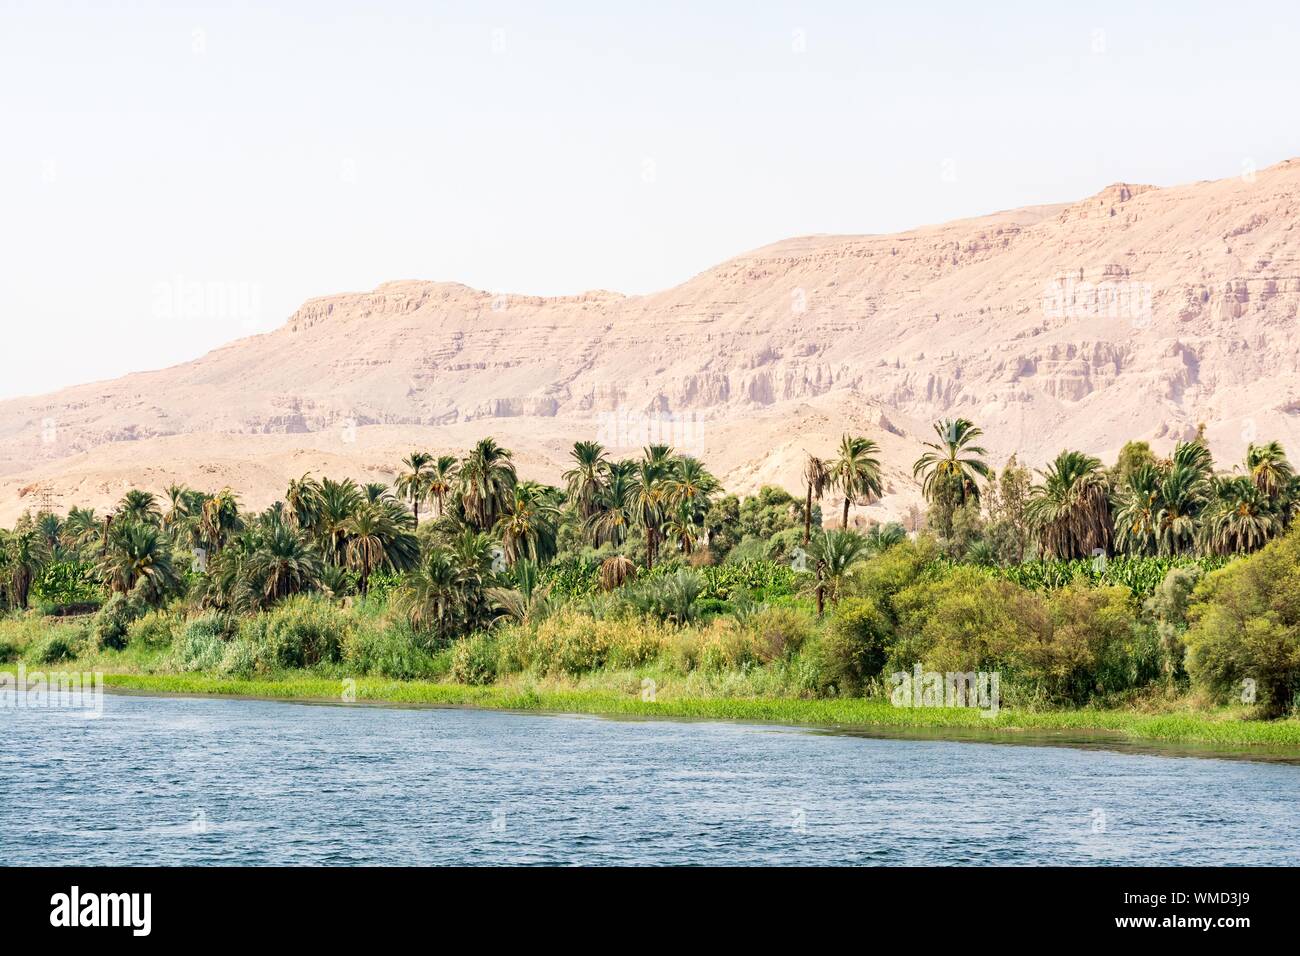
(174, 176)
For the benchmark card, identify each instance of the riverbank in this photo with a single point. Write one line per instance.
(1224, 729)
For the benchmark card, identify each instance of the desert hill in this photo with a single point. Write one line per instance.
(1135, 313)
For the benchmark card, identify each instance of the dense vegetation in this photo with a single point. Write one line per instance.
(1156, 579)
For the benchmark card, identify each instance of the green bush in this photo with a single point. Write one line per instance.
(60, 644)
(389, 650)
(111, 623)
(304, 631)
(238, 659)
(778, 632)
(1246, 628)
(156, 629)
(198, 649)
(474, 660)
(855, 647)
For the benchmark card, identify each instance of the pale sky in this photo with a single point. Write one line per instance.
(173, 176)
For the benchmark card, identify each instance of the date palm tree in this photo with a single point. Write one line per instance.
(27, 554)
(817, 479)
(584, 481)
(615, 507)
(413, 480)
(833, 554)
(487, 482)
(1070, 510)
(529, 524)
(856, 472)
(303, 498)
(953, 463)
(1137, 511)
(141, 506)
(443, 472)
(138, 557)
(1269, 469)
(1182, 498)
(1239, 518)
(339, 501)
(284, 563)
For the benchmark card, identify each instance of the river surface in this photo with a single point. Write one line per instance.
(218, 781)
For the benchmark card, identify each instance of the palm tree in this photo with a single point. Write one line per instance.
(584, 481)
(284, 564)
(487, 481)
(137, 556)
(689, 483)
(380, 535)
(431, 596)
(1070, 510)
(1269, 469)
(647, 493)
(142, 506)
(339, 501)
(81, 529)
(527, 600)
(817, 478)
(952, 464)
(27, 555)
(442, 479)
(1181, 500)
(834, 553)
(1240, 518)
(1137, 511)
(303, 499)
(528, 525)
(220, 519)
(857, 471)
(615, 507)
(178, 502)
(681, 527)
(413, 483)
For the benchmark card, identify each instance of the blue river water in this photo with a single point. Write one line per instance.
(216, 781)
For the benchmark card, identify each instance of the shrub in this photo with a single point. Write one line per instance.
(778, 632)
(238, 659)
(668, 598)
(1246, 627)
(154, 630)
(198, 649)
(110, 625)
(474, 660)
(60, 644)
(856, 645)
(724, 645)
(388, 650)
(304, 631)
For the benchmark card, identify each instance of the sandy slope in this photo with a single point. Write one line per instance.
(1138, 312)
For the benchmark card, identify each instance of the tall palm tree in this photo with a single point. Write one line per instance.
(1182, 497)
(339, 501)
(443, 473)
(303, 498)
(689, 483)
(220, 519)
(413, 482)
(27, 555)
(584, 481)
(369, 532)
(178, 502)
(953, 463)
(648, 494)
(615, 507)
(142, 506)
(1269, 469)
(856, 472)
(1137, 511)
(138, 557)
(528, 525)
(817, 479)
(1239, 518)
(487, 481)
(1070, 510)
(284, 563)
(833, 554)
(81, 529)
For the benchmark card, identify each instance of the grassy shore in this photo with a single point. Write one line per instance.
(1224, 729)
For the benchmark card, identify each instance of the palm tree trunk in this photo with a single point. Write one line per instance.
(416, 502)
(845, 523)
(807, 517)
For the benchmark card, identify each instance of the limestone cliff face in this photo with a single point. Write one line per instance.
(1138, 312)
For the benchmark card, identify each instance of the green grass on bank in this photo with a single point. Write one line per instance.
(1223, 728)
